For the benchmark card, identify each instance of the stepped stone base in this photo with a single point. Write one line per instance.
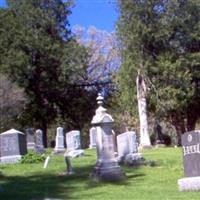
(10, 159)
(189, 184)
(107, 172)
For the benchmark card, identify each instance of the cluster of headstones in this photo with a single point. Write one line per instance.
(73, 143)
(14, 144)
(125, 146)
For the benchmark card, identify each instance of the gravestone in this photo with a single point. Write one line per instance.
(93, 136)
(73, 143)
(39, 145)
(73, 140)
(12, 146)
(128, 149)
(30, 138)
(191, 161)
(59, 147)
(107, 167)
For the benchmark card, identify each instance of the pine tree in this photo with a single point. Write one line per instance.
(39, 53)
(161, 38)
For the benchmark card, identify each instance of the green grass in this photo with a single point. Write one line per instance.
(27, 181)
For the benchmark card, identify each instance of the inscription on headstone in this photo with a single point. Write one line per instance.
(30, 138)
(13, 146)
(191, 153)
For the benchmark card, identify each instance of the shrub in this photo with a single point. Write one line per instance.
(32, 157)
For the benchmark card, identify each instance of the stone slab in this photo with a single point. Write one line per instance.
(10, 159)
(189, 184)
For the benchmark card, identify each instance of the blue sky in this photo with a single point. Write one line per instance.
(99, 13)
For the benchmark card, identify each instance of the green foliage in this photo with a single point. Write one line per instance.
(32, 157)
(161, 39)
(39, 53)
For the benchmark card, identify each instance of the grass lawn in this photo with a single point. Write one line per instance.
(29, 181)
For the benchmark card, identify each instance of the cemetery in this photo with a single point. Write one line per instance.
(99, 99)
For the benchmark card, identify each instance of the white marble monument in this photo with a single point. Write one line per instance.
(59, 146)
(107, 167)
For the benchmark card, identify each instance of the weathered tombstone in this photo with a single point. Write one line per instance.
(191, 161)
(39, 146)
(73, 142)
(93, 136)
(30, 138)
(128, 148)
(107, 167)
(12, 146)
(59, 147)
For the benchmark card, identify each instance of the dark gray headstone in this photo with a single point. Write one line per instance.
(30, 138)
(191, 153)
(39, 145)
(13, 146)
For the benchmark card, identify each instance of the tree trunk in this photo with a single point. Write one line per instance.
(192, 117)
(141, 96)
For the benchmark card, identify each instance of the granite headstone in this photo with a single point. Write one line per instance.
(30, 138)
(12, 146)
(39, 145)
(191, 161)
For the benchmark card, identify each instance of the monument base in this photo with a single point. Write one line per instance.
(160, 145)
(145, 147)
(75, 153)
(10, 159)
(107, 172)
(134, 159)
(59, 151)
(189, 184)
(92, 146)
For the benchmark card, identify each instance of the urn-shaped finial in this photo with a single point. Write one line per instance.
(101, 116)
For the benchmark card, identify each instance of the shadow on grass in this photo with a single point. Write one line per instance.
(53, 185)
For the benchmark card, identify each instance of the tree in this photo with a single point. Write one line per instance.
(155, 37)
(12, 101)
(38, 52)
(142, 109)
